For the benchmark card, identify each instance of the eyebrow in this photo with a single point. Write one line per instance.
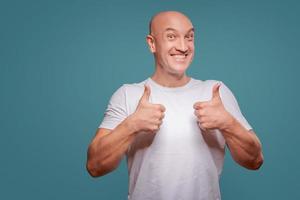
(172, 29)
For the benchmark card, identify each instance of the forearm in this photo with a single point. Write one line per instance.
(106, 152)
(244, 145)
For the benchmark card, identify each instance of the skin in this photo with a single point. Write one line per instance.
(172, 34)
(244, 145)
(171, 40)
(109, 146)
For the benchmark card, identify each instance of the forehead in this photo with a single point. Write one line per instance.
(171, 22)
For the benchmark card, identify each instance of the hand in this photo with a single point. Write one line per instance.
(148, 117)
(212, 114)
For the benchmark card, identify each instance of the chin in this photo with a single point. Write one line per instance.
(179, 69)
(180, 66)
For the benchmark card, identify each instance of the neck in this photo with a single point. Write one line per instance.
(170, 80)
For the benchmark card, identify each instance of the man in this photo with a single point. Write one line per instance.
(173, 128)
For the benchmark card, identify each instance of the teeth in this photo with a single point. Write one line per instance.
(179, 56)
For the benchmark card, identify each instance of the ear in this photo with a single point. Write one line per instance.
(151, 43)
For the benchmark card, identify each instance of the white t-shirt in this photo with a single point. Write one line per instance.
(179, 162)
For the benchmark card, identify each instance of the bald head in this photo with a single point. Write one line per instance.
(171, 40)
(158, 20)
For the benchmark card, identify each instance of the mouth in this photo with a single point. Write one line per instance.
(179, 57)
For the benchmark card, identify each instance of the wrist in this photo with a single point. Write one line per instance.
(131, 124)
(228, 124)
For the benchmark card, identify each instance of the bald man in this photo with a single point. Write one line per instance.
(172, 128)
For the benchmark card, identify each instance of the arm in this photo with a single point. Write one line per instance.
(109, 146)
(244, 145)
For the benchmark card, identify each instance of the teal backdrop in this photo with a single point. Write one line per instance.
(62, 60)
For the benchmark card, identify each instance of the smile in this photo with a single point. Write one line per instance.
(179, 57)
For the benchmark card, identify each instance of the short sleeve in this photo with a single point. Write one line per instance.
(116, 110)
(231, 105)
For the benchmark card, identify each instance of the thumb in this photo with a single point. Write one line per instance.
(216, 91)
(146, 94)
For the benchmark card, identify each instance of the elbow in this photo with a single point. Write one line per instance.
(259, 162)
(97, 169)
(256, 163)
(92, 169)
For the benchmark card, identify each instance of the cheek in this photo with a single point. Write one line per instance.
(192, 47)
(166, 46)
(163, 50)
(192, 52)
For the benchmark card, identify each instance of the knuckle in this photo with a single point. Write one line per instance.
(157, 106)
(160, 107)
(201, 112)
(157, 114)
(150, 128)
(197, 105)
(204, 125)
(204, 105)
(160, 121)
(156, 122)
(200, 119)
(163, 108)
(200, 105)
(154, 127)
(196, 112)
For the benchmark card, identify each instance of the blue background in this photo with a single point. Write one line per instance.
(62, 60)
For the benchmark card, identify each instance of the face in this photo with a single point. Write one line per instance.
(172, 43)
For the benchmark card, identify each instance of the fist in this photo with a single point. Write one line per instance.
(212, 114)
(148, 117)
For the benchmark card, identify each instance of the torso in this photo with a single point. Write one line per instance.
(178, 162)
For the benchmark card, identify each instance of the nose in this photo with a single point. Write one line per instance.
(182, 45)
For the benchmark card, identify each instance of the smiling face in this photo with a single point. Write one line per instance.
(172, 42)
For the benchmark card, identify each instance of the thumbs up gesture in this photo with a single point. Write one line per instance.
(212, 114)
(148, 117)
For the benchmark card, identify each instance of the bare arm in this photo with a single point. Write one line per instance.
(109, 146)
(244, 145)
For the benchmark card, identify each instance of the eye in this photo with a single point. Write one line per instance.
(171, 36)
(190, 37)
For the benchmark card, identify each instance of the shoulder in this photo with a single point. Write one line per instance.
(129, 90)
(133, 88)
